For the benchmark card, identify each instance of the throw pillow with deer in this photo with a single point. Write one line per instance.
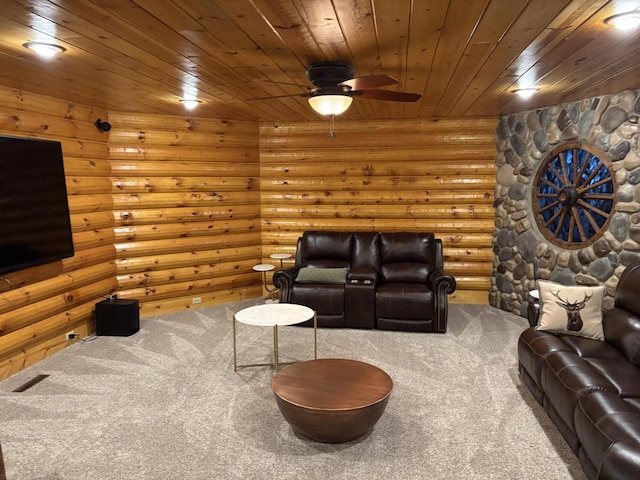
(575, 310)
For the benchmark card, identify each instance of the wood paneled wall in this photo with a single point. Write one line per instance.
(186, 203)
(168, 209)
(163, 209)
(395, 175)
(48, 301)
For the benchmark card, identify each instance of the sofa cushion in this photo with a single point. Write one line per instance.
(404, 301)
(622, 330)
(620, 460)
(321, 275)
(567, 376)
(325, 249)
(534, 346)
(405, 272)
(325, 299)
(407, 247)
(627, 297)
(574, 310)
(603, 419)
(366, 250)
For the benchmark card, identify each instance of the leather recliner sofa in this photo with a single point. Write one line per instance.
(394, 281)
(591, 388)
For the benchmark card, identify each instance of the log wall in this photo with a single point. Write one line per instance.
(163, 209)
(168, 209)
(396, 175)
(48, 301)
(186, 203)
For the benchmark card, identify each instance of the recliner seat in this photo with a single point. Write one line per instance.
(590, 388)
(395, 280)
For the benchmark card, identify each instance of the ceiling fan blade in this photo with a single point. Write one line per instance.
(390, 95)
(370, 81)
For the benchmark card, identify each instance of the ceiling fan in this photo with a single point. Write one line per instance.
(334, 87)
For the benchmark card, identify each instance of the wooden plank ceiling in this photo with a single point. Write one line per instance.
(463, 56)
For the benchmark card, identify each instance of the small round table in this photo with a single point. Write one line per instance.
(533, 307)
(264, 268)
(281, 257)
(332, 400)
(274, 315)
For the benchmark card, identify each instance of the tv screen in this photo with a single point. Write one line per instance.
(35, 227)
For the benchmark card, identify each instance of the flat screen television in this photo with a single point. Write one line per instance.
(35, 227)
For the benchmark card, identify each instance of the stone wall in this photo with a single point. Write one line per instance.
(521, 254)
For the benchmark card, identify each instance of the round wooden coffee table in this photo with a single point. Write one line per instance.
(332, 400)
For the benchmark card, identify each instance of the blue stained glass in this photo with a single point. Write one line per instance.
(584, 172)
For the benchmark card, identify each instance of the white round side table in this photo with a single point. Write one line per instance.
(274, 315)
(264, 268)
(280, 256)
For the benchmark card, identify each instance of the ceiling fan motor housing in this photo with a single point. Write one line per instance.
(330, 74)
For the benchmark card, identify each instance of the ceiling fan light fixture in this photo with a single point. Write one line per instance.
(330, 104)
(625, 21)
(525, 93)
(45, 50)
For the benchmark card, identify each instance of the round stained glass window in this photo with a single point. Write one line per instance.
(574, 195)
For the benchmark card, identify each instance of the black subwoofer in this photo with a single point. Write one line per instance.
(117, 317)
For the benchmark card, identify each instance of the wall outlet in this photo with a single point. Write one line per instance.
(70, 336)
(196, 300)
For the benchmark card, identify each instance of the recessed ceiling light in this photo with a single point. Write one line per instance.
(46, 50)
(525, 93)
(625, 21)
(190, 103)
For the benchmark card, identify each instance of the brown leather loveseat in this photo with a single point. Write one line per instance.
(591, 388)
(392, 281)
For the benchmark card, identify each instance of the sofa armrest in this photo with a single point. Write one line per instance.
(440, 280)
(441, 284)
(622, 330)
(359, 301)
(284, 280)
(362, 276)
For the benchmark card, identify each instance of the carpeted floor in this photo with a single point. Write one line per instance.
(166, 404)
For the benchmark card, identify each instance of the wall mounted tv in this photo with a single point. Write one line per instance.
(35, 227)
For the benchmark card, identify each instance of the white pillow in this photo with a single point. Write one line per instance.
(574, 310)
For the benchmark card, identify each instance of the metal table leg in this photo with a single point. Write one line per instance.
(275, 348)
(276, 360)
(235, 357)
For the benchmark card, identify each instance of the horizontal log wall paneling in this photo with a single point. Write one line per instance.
(50, 300)
(187, 206)
(400, 175)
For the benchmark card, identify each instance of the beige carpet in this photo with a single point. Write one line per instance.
(166, 404)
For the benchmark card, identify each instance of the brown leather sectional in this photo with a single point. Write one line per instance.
(395, 280)
(591, 388)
